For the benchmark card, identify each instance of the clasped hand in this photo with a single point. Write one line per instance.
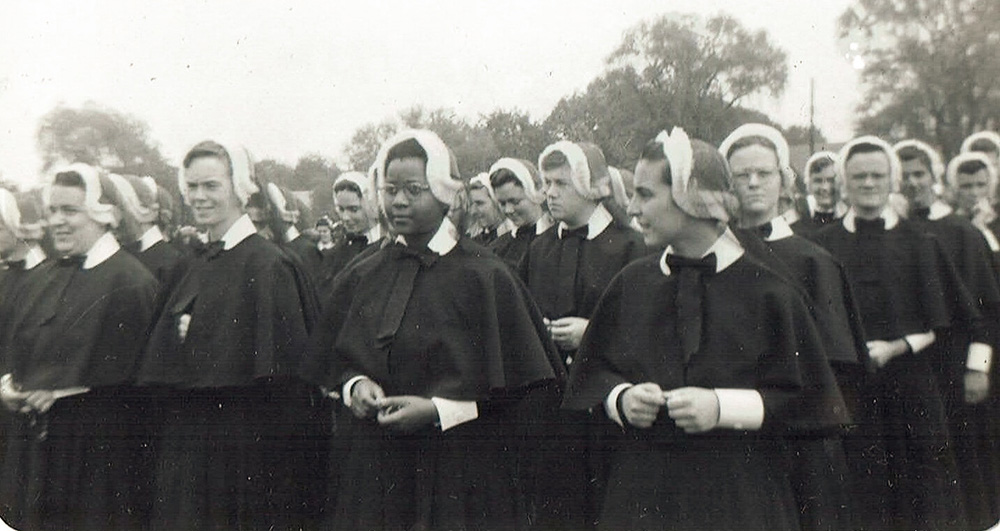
(693, 409)
(404, 413)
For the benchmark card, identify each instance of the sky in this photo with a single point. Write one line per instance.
(290, 78)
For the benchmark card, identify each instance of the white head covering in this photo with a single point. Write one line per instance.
(130, 200)
(93, 188)
(700, 185)
(244, 184)
(982, 135)
(10, 214)
(442, 169)
(937, 165)
(526, 174)
(280, 204)
(969, 156)
(819, 155)
(773, 136)
(895, 169)
(483, 179)
(588, 169)
(618, 191)
(365, 183)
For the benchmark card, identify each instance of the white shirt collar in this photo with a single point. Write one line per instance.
(888, 214)
(103, 248)
(324, 246)
(839, 209)
(242, 229)
(291, 233)
(599, 220)
(939, 209)
(790, 216)
(374, 234)
(727, 250)
(33, 257)
(150, 238)
(443, 241)
(542, 225)
(780, 229)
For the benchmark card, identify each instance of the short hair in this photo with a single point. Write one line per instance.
(862, 148)
(971, 166)
(653, 152)
(909, 153)
(752, 140)
(209, 148)
(820, 164)
(346, 185)
(70, 179)
(984, 145)
(409, 148)
(502, 177)
(554, 160)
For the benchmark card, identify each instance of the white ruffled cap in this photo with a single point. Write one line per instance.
(937, 165)
(280, 204)
(528, 177)
(483, 179)
(443, 184)
(365, 183)
(969, 156)
(704, 200)
(10, 214)
(588, 171)
(820, 155)
(773, 136)
(244, 184)
(982, 135)
(895, 169)
(102, 213)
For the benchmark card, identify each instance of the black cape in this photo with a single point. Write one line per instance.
(510, 248)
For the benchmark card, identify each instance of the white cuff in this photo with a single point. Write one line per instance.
(919, 342)
(451, 413)
(350, 385)
(611, 404)
(980, 357)
(740, 409)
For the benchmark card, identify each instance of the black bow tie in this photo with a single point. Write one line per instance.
(424, 256)
(15, 264)
(824, 217)
(579, 232)
(211, 250)
(764, 231)
(706, 264)
(869, 225)
(75, 260)
(358, 239)
(921, 213)
(133, 247)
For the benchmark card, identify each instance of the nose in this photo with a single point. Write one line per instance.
(632, 209)
(399, 199)
(754, 180)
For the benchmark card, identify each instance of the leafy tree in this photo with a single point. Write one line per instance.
(514, 134)
(363, 146)
(931, 67)
(799, 135)
(104, 137)
(273, 171)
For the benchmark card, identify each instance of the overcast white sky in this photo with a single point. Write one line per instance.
(289, 78)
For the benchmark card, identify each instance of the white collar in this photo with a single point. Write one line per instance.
(443, 241)
(542, 225)
(291, 233)
(374, 234)
(150, 238)
(33, 257)
(888, 214)
(780, 229)
(939, 209)
(103, 248)
(324, 246)
(727, 250)
(599, 220)
(839, 208)
(242, 229)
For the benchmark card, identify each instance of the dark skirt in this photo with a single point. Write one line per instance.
(242, 458)
(464, 478)
(85, 464)
(719, 481)
(821, 482)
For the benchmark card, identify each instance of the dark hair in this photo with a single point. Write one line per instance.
(653, 152)
(208, 148)
(909, 153)
(971, 166)
(70, 179)
(554, 160)
(406, 149)
(347, 186)
(984, 145)
(504, 176)
(748, 141)
(863, 147)
(820, 164)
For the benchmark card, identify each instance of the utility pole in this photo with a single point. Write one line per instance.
(812, 115)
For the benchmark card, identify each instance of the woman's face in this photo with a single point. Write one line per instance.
(756, 181)
(972, 188)
(516, 206)
(411, 207)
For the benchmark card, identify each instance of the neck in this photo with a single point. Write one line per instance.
(756, 219)
(868, 213)
(215, 232)
(697, 237)
(582, 218)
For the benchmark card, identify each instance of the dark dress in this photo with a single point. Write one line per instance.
(808, 226)
(467, 331)
(905, 285)
(337, 258)
(820, 475)
(757, 334)
(970, 425)
(567, 276)
(510, 248)
(84, 464)
(240, 448)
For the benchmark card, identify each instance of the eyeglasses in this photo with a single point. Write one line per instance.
(412, 190)
(761, 173)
